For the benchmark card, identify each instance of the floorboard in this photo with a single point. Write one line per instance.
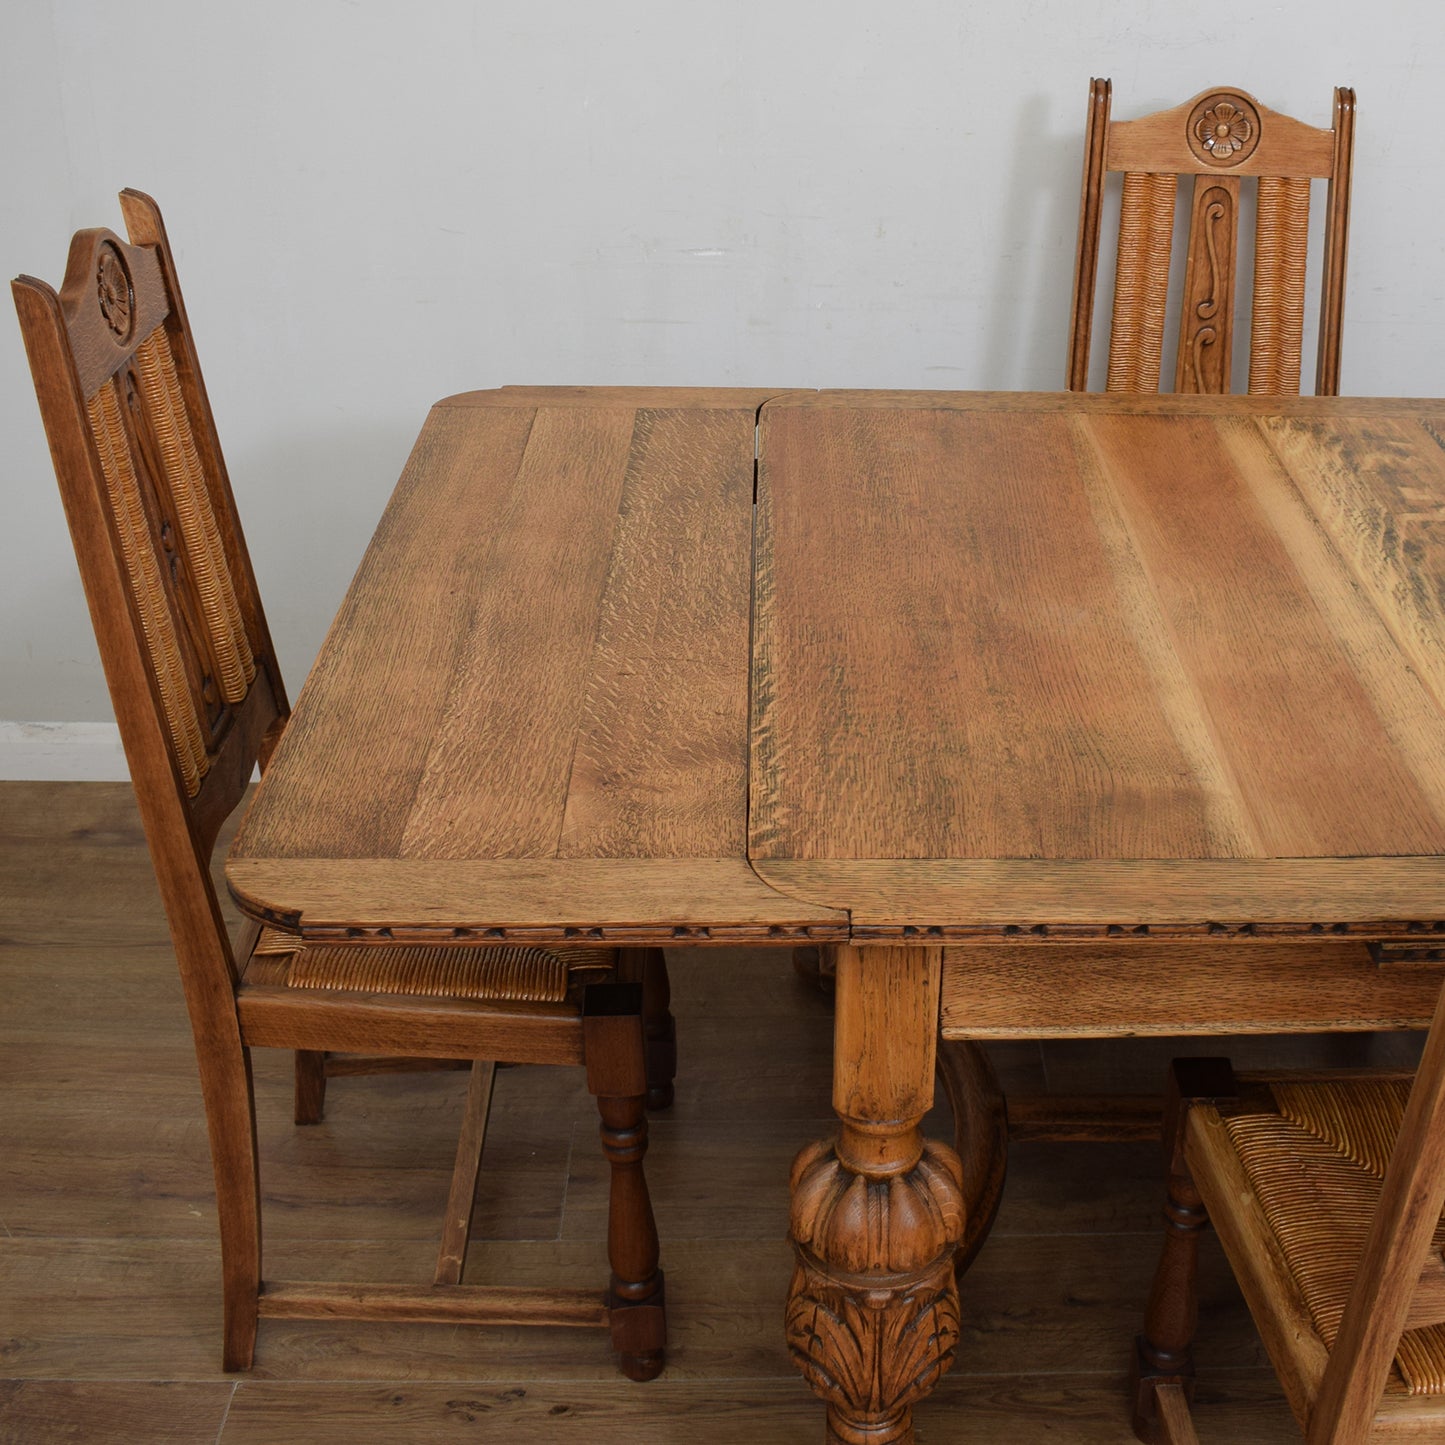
(109, 1293)
(120, 1412)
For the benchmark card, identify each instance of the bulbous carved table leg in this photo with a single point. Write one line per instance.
(872, 1317)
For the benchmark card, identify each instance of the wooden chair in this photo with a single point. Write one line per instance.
(199, 700)
(1215, 140)
(1326, 1192)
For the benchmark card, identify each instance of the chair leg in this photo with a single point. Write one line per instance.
(1173, 1411)
(231, 1122)
(457, 1227)
(310, 1085)
(617, 1077)
(648, 966)
(1161, 1375)
(816, 966)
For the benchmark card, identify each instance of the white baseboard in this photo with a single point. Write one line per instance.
(84, 752)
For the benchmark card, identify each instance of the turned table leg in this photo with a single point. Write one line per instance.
(872, 1317)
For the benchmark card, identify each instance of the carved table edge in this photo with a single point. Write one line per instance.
(655, 935)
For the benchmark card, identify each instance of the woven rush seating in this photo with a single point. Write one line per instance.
(497, 974)
(1315, 1154)
(1326, 1192)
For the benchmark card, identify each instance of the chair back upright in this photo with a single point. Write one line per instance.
(183, 639)
(1214, 141)
(1399, 1283)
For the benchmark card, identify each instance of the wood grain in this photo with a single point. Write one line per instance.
(1202, 696)
(1213, 988)
(653, 901)
(1337, 230)
(1122, 898)
(1174, 1411)
(1296, 729)
(705, 1411)
(883, 1042)
(1073, 1408)
(1039, 733)
(452, 1304)
(1086, 256)
(73, 1412)
(544, 656)
(462, 1196)
(495, 762)
(659, 768)
(1378, 491)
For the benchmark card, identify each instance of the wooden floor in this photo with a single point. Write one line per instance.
(109, 1288)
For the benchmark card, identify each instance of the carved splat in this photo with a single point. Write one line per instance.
(1206, 330)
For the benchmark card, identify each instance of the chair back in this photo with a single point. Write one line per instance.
(1399, 1282)
(182, 635)
(1214, 140)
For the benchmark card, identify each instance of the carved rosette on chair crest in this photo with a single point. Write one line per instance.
(1223, 129)
(872, 1318)
(114, 292)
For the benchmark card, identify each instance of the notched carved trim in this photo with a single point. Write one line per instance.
(1387, 953)
(656, 934)
(935, 934)
(946, 932)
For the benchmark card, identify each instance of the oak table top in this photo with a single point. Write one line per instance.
(1069, 664)
(530, 719)
(882, 672)
(1057, 663)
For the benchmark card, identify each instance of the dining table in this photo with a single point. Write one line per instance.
(917, 679)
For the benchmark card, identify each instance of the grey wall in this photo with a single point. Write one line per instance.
(376, 204)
